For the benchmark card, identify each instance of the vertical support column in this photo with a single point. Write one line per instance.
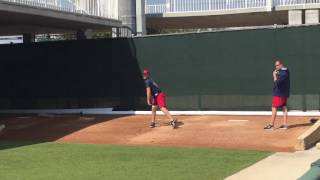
(174, 6)
(114, 6)
(269, 5)
(80, 35)
(168, 5)
(115, 32)
(127, 14)
(29, 38)
(140, 17)
(312, 16)
(295, 17)
(88, 33)
(99, 6)
(84, 34)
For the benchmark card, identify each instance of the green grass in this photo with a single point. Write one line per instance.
(51, 161)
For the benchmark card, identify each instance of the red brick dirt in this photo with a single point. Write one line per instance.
(231, 132)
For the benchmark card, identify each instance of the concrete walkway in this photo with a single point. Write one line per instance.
(284, 166)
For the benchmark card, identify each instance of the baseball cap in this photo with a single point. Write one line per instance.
(146, 72)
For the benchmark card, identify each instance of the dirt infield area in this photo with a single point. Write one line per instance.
(235, 132)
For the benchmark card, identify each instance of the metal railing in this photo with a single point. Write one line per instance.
(155, 8)
(180, 6)
(212, 5)
(173, 6)
(294, 2)
(101, 8)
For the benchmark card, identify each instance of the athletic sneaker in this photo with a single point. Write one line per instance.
(269, 126)
(285, 127)
(174, 123)
(152, 125)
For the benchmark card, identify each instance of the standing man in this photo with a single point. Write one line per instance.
(155, 98)
(281, 91)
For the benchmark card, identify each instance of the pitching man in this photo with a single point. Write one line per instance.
(156, 98)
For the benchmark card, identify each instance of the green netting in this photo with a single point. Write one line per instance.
(232, 70)
(205, 71)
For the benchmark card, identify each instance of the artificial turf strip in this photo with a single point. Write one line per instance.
(52, 161)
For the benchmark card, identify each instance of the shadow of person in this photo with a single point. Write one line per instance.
(178, 124)
(311, 122)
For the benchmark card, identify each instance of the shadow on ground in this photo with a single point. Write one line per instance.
(312, 121)
(32, 129)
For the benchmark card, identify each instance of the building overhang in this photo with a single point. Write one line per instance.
(17, 19)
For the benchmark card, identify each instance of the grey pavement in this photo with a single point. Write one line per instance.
(279, 166)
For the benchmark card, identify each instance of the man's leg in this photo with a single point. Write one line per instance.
(173, 121)
(273, 119)
(285, 115)
(161, 99)
(154, 113)
(274, 115)
(167, 113)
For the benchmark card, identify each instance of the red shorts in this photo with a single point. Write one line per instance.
(278, 101)
(160, 100)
